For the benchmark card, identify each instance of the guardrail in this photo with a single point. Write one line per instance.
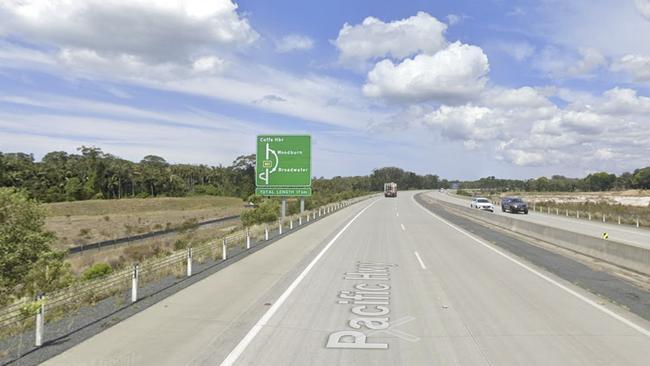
(112, 242)
(27, 314)
(621, 254)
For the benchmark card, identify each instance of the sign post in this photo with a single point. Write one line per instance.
(283, 167)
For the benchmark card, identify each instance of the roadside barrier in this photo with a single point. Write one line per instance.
(26, 313)
(620, 254)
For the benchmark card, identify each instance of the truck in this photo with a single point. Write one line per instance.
(390, 189)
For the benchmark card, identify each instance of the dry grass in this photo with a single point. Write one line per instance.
(84, 222)
(121, 256)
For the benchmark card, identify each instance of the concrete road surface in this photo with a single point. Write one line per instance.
(380, 283)
(626, 234)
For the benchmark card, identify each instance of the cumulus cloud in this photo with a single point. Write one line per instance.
(523, 127)
(458, 72)
(151, 31)
(294, 42)
(638, 67)
(398, 39)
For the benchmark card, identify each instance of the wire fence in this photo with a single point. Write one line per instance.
(620, 218)
(26, 314)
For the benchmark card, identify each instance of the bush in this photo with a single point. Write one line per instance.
(23, 240)
(267, 211)
(97, 270)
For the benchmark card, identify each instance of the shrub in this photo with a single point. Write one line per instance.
(97, 270)
(267, 211)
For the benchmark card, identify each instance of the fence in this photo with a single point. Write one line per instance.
(590, 215)
(28, 314)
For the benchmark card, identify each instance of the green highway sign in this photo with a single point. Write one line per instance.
(283, 161)
(289, 191)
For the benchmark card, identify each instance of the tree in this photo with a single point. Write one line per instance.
(23, 240)
(641, 178)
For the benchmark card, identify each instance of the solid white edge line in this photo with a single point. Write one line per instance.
(614, 315)
(248, 338)
(417, 255)
(403, 228)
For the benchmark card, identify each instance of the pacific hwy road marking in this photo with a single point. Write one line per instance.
(248, 338)
(620, 318)
(417, 255)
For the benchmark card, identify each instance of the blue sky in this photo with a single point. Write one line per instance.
(463, 89)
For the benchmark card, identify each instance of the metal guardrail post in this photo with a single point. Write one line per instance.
(189, 262)
(308, 216)
(266, 232)
(314, 215)
(40, 321)
(248, 238)
(319, 213)
(134, 282)
(224, 250)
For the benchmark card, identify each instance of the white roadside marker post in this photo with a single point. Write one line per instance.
(280, 227)
(224, 250)
(266, 232)
(619, 219)
(637, 221)
(300, 220)
(290, 224)
(189, 262)
(40, 320)
(134, 282)
(248, 238)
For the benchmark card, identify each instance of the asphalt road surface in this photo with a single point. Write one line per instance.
(620, 233)
(384, 282)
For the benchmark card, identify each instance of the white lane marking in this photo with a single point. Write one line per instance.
(403, 228)
(417, 255)
(248, 338)
(397, 214)
(620, 318)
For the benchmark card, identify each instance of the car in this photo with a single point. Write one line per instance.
(514, 205)
(482, 204)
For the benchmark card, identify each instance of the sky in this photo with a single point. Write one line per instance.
(462, 89)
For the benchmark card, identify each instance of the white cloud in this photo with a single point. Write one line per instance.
(208, 65)
(294, 42)
(524, 97)
(638, 67)
(454, 19)
(471, 124)
(398, 39)
(560, 64)
(458, 72)
(643, 6)
(151, 31)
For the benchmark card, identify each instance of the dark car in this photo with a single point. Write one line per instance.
(514, 205)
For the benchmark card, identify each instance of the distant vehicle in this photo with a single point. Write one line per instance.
(482, 204)
(514, 205)
(390, 189)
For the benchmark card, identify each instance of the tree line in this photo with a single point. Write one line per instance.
(94, 174)
(601, 181)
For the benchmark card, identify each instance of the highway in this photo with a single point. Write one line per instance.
(432, 294)
(620, 233)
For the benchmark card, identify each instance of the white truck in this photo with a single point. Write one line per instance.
(390, 189)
